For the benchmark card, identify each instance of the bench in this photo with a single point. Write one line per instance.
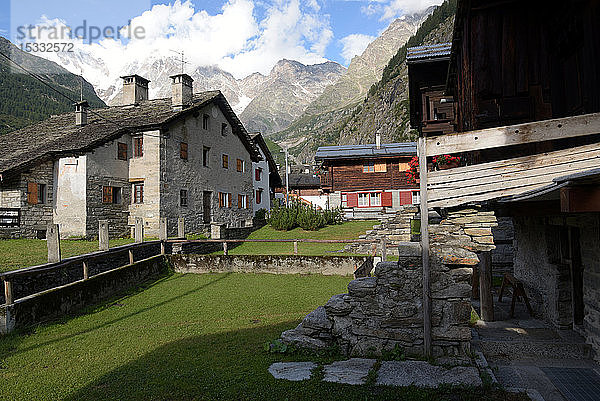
(518, 291)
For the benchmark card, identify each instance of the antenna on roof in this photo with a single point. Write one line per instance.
(182, 58)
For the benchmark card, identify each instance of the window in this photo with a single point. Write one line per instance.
(183, 197)
(223, 129)
(122, 151)
(380, 167)
(363, 200)
(138, 193)
(225, 161)
(416, 198)
(368, 167)
(36, 193)
(240, 165)
(205, 153)
(205, 121)
(403, 166)
(242, 201)
(375, 199)
(138, 147)
(111, 194)
(259, 196)
(344, 200)
(183, 150)
(225, 199)
(258, 174)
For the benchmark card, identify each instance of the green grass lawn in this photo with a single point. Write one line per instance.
(19, 253)
(346, 230)
(186, 337)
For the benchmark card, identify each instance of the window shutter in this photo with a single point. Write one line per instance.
(107, 195)
(403, 166)
(380, 167)
(240, 201)
(32, 193)
(247, 201)
(406, 198)
(386, 199)
(257, 174)
(352, 200)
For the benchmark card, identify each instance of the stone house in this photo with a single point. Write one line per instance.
(186, 156)
(265, 175)
(368, 181)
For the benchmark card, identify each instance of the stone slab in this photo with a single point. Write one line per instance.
(423, 374)
(352, 371)
(294, 371)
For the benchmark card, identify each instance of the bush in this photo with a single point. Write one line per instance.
(260, 214)
(301, 215)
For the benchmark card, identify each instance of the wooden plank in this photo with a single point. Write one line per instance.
(422, 150)
(8, 291)
(485, 287)
(514, 164)
(538, 131)
(512, 180)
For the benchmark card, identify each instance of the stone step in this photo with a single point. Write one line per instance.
(522, 350)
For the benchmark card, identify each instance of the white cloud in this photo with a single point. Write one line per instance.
(354, 45)
(234, 39)
(397, 8)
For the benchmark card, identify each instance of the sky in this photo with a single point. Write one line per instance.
(240, 36)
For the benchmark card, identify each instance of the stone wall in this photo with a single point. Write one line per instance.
(34, 217)
(385, 311)
(275, 264)
(71, 298)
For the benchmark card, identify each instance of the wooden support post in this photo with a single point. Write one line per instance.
(53, 243)
(162, 229)
(422, 149)
(131, 256)
(8, 292)
(225, 248)
(295, 247)
(181, 227)
(475, 283)
(139, 230)
(86, 271)
(383, 250)
(485, 287)
(103, 235)
(162, 247)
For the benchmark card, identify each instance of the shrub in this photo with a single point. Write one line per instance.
(301, 215)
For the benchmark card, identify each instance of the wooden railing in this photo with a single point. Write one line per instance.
(84, 261)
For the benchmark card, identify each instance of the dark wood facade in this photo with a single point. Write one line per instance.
(515, 61)
(355, 174)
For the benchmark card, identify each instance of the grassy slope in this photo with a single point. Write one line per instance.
(19, 253)
(347, 230)
(187, 337)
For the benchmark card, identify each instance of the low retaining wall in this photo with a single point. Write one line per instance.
(73, 297)
(276, 264)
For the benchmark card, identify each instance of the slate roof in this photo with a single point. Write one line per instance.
(420, 53)
(58, 136)
(366, 151)
(303, 181)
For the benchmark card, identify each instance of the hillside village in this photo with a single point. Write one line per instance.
(423, 224)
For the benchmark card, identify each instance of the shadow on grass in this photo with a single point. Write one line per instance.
(234, 366)
(8, 344)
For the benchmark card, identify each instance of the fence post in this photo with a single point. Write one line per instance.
(225, 248)
(53, 243)
(181, 227)
(295, 247)
(86, 272)
(130, 256)
(383, 250)
(162, 231)
(8, 293)
(485, 287)
(103, 235)
(139, 229)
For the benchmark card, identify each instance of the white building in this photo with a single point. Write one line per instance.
(265, 175)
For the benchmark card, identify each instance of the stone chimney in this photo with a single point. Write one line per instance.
(378, 139)
(182, 91)
(135, 89)
(81, 112)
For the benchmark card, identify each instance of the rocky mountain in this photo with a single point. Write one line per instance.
(338, 101)
(384, 107)
(25, 100)
(286, 92)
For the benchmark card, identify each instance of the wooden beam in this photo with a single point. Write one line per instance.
(422, 150)
(580, 199)
(538, 131)
(486, 299)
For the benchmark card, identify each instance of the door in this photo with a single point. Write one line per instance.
(206, 212)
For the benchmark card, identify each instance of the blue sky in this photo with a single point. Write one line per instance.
(260, 31)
